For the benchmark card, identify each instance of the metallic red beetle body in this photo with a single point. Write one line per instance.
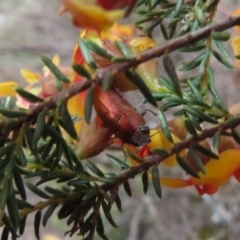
(120, 117)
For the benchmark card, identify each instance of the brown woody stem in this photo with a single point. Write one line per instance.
(167, 47)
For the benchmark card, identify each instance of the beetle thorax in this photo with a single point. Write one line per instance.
(141, 136)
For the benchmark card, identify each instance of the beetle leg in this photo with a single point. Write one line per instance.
(147, 110)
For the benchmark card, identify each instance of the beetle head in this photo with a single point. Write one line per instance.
(141, 136)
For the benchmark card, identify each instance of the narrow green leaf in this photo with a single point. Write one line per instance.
(192, 64)
(40, 124)
(199, 114)
(124, 49)
(107, 81)
(68, 123)
(22, 225)
(137, 80)
(22, 158)
(199, 14)
(66, 209)
(184, 165)
(206, 151)
(193, 48)
(168, 85)
(23, 204)
(97, 49)
(178, 6)
(220, 36)
(55, 192)
(37, 221)
(235, 136)
(164, 126)
(19, 183)
(211, 86)
(216, 141)
(204, 61)
(54, 69)
(28, 96)
(118, 202)
(8, 225)
(108, 214)
(12, 113)
(68, 156)
(127, 188)
(172, 27)
(160, 152)
(8, 171)
(58, 84)
(117, 162)
(95, 169)
(221, 48)
(5, 233)
(37, 191)
(222, 60)
(197, 160)
(100, 228)
(9, 102)
(145, 182)
(54, 133)
(194, 90)
(75, 159)
(170, 70)
(156, 182)
(164, 31)
(49, 213)
(86, 53)
(88, 105)
(91, 194)
(80, 70)
(148, 30)
(7, 149)
(13, 210)
(9, 126)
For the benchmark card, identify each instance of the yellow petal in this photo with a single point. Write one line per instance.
(90, 15)
(76, 104)
(139, 44)
(7, 89)
(175, 182)
(236, 49)
(30, 76)
(158, 140)
(56, 59)
(117, 31)
(219, 171)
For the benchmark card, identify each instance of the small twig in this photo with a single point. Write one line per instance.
(132, 172)
(97, 78)
(155, 160)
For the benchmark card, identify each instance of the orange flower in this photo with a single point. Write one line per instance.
(94, 138)
(218, 172)
(84, 13)
(42, 84)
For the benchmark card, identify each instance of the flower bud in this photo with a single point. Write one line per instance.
(94, 138)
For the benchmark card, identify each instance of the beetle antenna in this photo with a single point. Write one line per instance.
(156, 132)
